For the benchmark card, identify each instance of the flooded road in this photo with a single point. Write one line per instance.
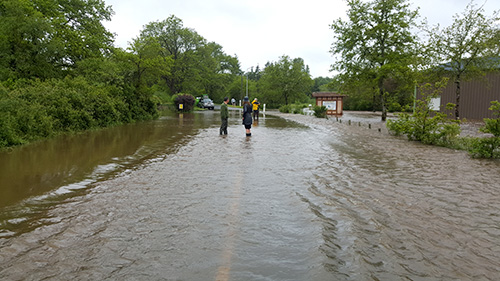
(309, 199)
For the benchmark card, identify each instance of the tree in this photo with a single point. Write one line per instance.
(180, 44)
(322, 84)
(46, 38)
(375, 45)
(286, 81)
(215, 71)
(466, 48)
(146, 62)
(198, 65)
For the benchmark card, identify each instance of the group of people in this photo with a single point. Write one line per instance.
(250, 112)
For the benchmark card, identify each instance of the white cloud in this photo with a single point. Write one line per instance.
(259, 31)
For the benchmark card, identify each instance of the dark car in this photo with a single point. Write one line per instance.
(206, 103)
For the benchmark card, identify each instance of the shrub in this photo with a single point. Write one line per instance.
(186, 100)
(394, 107)
(285, 108)
(492, 126)
(485, 147)
(295, 108)
(320, 111)
(31, 109)
(488, 147)
(424, 124)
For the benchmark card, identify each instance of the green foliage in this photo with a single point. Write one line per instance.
(45, 38)
(323, 84)
(492, 125)
(286, 81)
(295, 108)
(488, 147)
(358, 103)
(426, 125)
(186, 100)
(31, 109)
(197, 66)
(60, 73)
(285, 108)
(394, 107)
(320, 111)
(377, 50)
(467, 46)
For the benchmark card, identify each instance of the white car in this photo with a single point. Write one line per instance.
(206, 103)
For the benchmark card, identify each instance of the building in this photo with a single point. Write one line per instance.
(332, 101)
(475, 96)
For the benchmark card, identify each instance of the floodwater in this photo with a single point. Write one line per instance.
(309, 199)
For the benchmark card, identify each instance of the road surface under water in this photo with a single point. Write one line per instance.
(307, 200)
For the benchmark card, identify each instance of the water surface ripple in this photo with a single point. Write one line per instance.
(305, 200)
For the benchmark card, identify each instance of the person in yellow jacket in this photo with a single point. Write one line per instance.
(255, 104)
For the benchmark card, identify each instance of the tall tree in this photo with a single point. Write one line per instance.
(322, 84)
(46, 38)
(147, 63)
(468, 48)
(179, 43)
(198, 65)
(215, 71)
(286, 81)
(374, 45)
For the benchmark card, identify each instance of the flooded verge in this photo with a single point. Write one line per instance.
(302, 199)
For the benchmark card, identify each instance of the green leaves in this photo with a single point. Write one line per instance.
(196, 65)
(375, 46)
(492, 125)
(466, 48)
(426, 125)
(286, 81)
(45, 38)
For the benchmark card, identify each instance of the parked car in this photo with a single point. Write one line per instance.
(206, 103)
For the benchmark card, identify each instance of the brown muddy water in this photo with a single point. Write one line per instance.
(308, 199)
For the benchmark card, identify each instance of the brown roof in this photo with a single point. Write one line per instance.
(326, 94)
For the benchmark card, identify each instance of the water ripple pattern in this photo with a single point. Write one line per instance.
(304, 200)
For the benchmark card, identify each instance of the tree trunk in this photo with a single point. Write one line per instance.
(382, 100)
(457, 95)
(374, 105)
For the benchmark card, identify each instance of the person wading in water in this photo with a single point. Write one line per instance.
(247, 116)
(255, 104)
(224, 114)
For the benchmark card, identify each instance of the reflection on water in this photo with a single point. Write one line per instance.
(171, 199)
(35, 169)
(34, 177)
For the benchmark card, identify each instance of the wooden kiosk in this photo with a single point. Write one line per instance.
(332, 101)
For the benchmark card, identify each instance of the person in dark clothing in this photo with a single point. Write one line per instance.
(224, 115)
(247, 115)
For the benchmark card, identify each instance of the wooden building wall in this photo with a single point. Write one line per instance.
(475, 96)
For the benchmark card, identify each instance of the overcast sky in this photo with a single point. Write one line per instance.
(258, 31)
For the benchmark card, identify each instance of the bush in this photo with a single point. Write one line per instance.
(488, 147)
(492, 126)
(485, 147)
(425, 125)
(285, 108)
(32, 109)
(186, 100)
(394, 107)
(295, 108)
(320, 111)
